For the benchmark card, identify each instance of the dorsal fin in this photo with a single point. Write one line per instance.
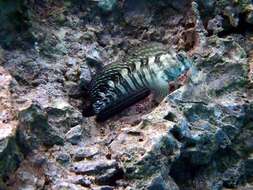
(146, 50)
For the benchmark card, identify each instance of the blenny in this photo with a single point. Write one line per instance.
(146, 69)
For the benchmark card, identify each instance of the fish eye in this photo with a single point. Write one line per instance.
(183, 67)
(180, 57)
(165, 78)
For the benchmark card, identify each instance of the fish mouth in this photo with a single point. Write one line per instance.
(181, 80)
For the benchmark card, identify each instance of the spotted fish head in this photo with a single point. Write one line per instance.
(175, 65)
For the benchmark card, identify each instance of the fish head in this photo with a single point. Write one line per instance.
(176, 65)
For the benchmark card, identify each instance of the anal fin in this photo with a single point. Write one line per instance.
(122, 104)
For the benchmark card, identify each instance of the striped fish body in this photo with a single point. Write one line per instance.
(147, 69)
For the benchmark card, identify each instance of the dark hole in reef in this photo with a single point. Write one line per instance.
(187, 174)
(47, 181)
(175, 131)
(170, 117)
(184, 173)
(242, 28)
(119, 174)
(5, 178)
(87, 110)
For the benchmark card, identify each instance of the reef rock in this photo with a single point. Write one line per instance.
(199, 137)
(10, 155)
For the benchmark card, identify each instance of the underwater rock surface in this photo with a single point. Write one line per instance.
(10, 155)
(199, 137)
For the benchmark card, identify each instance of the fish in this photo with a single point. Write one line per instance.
(146, 69)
